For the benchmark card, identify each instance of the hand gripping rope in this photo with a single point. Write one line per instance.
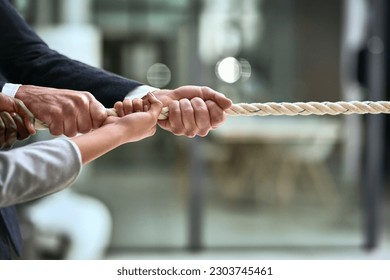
(288, 109)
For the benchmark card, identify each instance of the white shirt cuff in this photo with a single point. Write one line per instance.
(10, 89)
(140, 92)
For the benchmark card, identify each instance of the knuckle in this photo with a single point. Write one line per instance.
(70, 129)
(174, 111)
(118, 106)
(87, 95)
(197, 101)
(55, 112)
(68, 106)
(177, 131)
(203, 133)
(205, 89)
(84, 99)
(84, 129)
(218, 119)
(190, 135)
(71, 133)
(55, 131)
(100, 116)
(187, 111)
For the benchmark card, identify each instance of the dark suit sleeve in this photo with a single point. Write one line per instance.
(26, 59)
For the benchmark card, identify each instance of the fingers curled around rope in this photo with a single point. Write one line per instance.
(8, 131)
(202, 116)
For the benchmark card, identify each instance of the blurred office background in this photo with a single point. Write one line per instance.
(259, 187)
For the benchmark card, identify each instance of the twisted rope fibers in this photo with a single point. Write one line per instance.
(304, 108)
(289, 109)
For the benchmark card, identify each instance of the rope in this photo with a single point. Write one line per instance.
(289, 109)
(304, 108)
(309, 108)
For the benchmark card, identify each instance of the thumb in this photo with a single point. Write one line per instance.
(155, 105)
(220, 99)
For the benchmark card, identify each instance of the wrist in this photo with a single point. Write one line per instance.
(124, 132)
(21, 92)
(118, 133)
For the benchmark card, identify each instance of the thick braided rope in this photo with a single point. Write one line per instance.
(289, 109)
(309, 108)
(304, 108)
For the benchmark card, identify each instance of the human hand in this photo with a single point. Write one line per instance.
(8, 131)
(140, 119)
(64, 111)
(193, 110)
(117, 131)
(16, 121)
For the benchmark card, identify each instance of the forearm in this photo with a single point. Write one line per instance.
(98, 142)
(37, 170)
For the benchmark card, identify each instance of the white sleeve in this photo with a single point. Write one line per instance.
(10, 89)
(38, 169)
(140, 92)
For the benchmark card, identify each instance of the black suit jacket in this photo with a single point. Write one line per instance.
(26, 59)
(9, 232)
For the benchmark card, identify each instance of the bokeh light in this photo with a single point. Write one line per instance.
(230, 70)
(158, 75)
